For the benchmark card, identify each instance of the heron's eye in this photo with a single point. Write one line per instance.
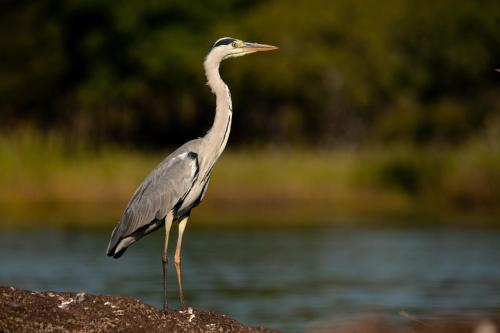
(234, 44)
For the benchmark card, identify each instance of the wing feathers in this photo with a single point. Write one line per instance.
(165, 186)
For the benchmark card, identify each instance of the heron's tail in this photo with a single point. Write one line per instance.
(117, 245)
(117, 251)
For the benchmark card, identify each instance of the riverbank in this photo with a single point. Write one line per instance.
(35, 311)
(51, 181)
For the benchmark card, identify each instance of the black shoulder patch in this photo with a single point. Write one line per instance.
(192, 155)
(223, 41)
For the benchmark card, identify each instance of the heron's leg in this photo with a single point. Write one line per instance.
(177, 259)
(164, 258)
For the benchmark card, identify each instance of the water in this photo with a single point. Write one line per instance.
(280, 278)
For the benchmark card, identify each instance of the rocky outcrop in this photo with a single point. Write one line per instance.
(33, 311)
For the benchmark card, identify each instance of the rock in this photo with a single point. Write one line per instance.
(458, 323)
(25, 311)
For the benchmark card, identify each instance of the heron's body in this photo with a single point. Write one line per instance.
(165, 188)
(180, 181)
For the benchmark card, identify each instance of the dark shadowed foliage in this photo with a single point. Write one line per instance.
(347, 72)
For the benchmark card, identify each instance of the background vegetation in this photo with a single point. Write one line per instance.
(369, 107)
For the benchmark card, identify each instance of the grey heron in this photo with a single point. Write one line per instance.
(179, 182)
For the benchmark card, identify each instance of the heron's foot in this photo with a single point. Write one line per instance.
(165, 307)
(181, 299)
(164, 266)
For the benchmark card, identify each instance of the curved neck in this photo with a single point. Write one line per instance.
(217, 136)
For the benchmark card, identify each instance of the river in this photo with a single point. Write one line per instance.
(286, 278)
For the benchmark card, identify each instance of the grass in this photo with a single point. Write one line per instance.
(44, 180)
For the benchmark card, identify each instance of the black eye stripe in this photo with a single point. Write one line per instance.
(224, 41)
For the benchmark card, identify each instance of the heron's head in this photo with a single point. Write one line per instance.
(228, 47)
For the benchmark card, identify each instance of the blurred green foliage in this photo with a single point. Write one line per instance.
(347, 72)
(43, 179)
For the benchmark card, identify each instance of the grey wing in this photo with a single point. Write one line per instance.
(166, 186)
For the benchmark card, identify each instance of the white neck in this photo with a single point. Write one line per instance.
(217, 136)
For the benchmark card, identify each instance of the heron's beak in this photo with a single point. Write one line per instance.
(255, 47)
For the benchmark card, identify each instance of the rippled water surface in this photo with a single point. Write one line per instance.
(280, 278)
